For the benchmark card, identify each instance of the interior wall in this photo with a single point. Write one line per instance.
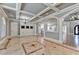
(25, 31)
(8, 26)
(49, 34)
(52, 35)
(70, 26)
(70, 29)
(73, 24)
(2, 27)
(13, 28)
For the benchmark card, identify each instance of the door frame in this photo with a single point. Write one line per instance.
(10, 27)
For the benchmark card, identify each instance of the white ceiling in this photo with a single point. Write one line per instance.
(34, 7)
(33, 11)
(10, 13)
(10, 4)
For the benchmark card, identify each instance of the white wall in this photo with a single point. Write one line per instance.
(2, 27)
(70, 29)
(14, 28)
(49, 34)
(25, 32)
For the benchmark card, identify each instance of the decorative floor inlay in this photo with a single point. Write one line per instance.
(32, 47)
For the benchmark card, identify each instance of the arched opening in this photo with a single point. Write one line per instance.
(76, 30)
(76, 33)
(2, 27)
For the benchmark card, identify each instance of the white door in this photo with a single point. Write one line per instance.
(14, 29)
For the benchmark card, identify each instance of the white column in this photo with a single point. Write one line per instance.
(60, 27)
(43, 38)
(44, 30)
(35, 29)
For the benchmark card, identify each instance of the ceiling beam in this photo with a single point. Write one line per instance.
(38, 15)
(14, 9)
(70, 8)
(25, 12)
(52, 6)
(44, 18)
(75, 10)
(18, 7)
(46, 9)
(3, 12)
(67, 9)
(7, 7)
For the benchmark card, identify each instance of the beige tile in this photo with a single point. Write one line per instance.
(15, 47)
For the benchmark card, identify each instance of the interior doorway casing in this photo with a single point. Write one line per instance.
(13, 28)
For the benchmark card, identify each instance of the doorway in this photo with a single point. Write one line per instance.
(13, 28)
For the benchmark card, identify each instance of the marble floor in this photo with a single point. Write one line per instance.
(31, 45)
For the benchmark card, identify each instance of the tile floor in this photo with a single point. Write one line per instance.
(15, 47)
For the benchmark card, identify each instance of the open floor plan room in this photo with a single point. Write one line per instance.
(25, 46)
(39, 28)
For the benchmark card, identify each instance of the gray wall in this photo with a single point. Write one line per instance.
(53, 35)
(70, 28)
(2, 28)
(49, 34)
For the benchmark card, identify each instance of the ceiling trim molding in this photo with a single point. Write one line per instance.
(76, 9)
(3, 13)
(61, 11)
(52, 6)
(48, 8)
(18, 7)
(37, 15)
(14, 9)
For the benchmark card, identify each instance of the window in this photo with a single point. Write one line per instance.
(31, 27)
(27, 27)
(23, 27)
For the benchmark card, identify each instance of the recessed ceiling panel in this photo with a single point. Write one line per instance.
(51, 20)
(64, 5)
(47, 13)
(9, 4)
(35, 19)
(34, 7)
(10, 13)
(27, 15)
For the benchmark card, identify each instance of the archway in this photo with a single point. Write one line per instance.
(2, 27)
(76, 34)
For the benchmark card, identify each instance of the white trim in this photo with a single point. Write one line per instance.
(25, 12)
(52, 6)
(14, 9)
(53, 15)
(40, 13)
(44, 18)
(60, 26)
(46, 9)
(75, 10)
(18, 7)
(4, 14)
(67, 9)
